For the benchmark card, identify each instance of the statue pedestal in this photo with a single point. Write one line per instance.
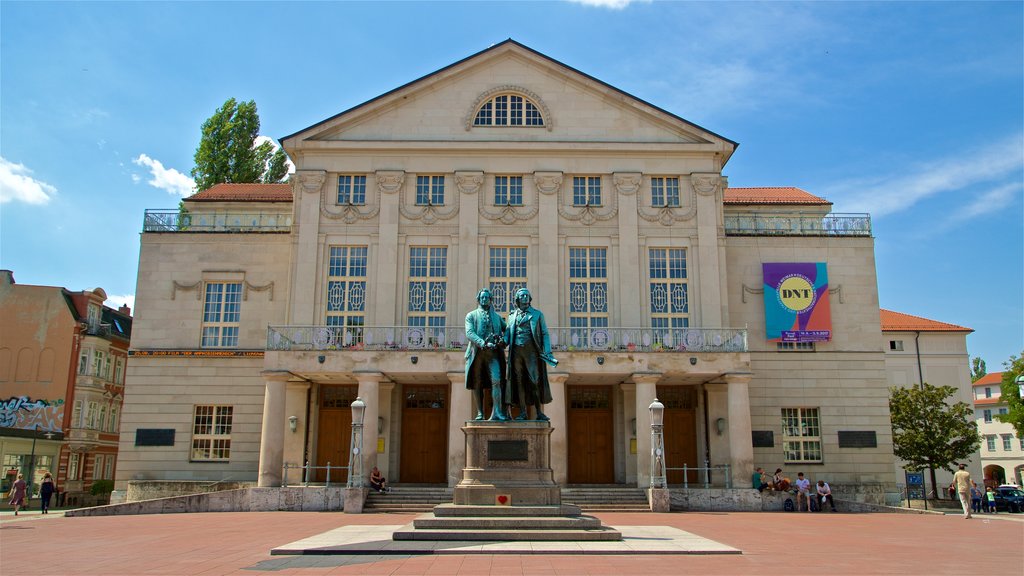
(508, 464)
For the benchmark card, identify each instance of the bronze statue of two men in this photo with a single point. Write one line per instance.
(522, 380)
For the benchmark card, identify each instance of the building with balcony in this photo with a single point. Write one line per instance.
(923, 350)
(263, 311)
(1002, 451)
(63, 358)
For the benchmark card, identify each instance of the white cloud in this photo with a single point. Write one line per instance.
(994, 200)
(17, 185)
(168, 179)
(115, 301)
(612, 4)
(889, 194)
(261, 139)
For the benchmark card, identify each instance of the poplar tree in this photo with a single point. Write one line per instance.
(228, 151)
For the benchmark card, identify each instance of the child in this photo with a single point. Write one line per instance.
(990, 500)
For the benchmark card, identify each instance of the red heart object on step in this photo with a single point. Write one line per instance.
(502, 499)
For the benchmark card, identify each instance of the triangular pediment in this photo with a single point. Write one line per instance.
(441, 107)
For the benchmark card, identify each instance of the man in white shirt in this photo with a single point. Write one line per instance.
(803, 490)
(825, 493)
(962, 480)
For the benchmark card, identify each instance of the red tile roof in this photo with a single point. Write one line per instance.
(900, 322)
(990, 379)
(244, 193)
(772, 195)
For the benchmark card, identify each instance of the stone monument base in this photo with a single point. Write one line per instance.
(507, 464)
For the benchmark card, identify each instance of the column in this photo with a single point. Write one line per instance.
(627, 184)
(369, 391)
(389, 186)
(461, 411)
(718, 444)
(545, 293)
(307, 187)
(296, 398)
(646, 392)
(384, 460)
(707, 187)
(741, 445)
(630, 430)
(272, 433)
(469, 282)
(556, 410)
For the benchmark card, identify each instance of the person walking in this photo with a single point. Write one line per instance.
(825, 493)
(962, 481)
(803, 490)
(17, 494)
(46, 490)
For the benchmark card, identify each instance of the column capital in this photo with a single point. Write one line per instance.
(469, 182)
(309, 181)
(276, 375)
(646, 377)
(737, 377)
(557, 377)
(368, 377)
(457, 377)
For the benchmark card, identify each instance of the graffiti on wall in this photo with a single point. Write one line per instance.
(24, 412)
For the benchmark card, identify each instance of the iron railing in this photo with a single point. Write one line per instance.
(307, 471)
(797, 224)
(183, 221)
(705, 472)
(563, 339)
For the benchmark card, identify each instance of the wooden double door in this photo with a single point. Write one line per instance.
(334, 432)
(424, 457)
(591, 445)
(680, 431)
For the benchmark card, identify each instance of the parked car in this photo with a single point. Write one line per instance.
(1009, 498)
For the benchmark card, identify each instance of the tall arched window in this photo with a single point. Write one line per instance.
(508, 110)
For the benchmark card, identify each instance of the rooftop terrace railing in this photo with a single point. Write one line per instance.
(400, 338)
(797, 224)
(182, 221)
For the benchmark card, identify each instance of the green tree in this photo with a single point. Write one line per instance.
(928, 431)
(978, 368)
(1010, 393)
(228, 151)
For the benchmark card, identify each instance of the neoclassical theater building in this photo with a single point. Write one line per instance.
(263, 311)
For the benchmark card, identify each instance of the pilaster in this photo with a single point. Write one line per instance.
(468, 185)
(558, 413)
(307, 189)
(461, 412)
(627, 184)
(546, 289)
(708, 189)
(390, 183)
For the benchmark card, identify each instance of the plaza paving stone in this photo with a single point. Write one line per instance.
(778, 543)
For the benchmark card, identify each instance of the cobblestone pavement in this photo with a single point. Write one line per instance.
(771, 543)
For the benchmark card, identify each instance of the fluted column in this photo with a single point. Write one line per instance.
(646, 392)
(272, 432)
(461, 411)
(556, 410)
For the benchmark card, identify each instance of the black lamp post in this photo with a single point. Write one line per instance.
(32, 457)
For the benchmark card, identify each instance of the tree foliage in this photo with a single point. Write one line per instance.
(1010, 392)
(978, 368)
(228, 151)
(927, 431)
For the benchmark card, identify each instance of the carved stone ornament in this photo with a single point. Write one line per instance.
(589, 214)
(268, 287)
(309, 181)
(669, 215)
(706, 184)
(175, 286)
(547, 182)
(627, 183)
(749, 290)
(390, 181)
(428, 213)
(351, 213)
(469, 182)
(549, 122)
(509, 214)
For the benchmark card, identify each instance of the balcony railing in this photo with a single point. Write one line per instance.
(400, 338)
(797, 224)
(181, 221)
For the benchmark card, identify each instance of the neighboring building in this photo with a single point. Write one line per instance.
(264, 310)
(921, 350)
(63, 358)
(1002, 451)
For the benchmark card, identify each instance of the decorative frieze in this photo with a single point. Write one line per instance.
(389, 181)
(627, 183)
(309, 181)
(469, 182)
(547, 182)
(706, 183)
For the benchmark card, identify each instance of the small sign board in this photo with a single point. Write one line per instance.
(154, 437)
(508, 450)
(915, 485)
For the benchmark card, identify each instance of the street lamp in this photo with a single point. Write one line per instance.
(657, 444)
(355, 457)
(32, 457)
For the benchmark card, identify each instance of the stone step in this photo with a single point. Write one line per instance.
(479, 523)
(597, 535)
(461, 510)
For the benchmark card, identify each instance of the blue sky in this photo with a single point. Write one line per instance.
(913, 112)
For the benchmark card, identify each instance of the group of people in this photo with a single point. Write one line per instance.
(19, 493)
(522, 380)
(972, 498)
(802, 488)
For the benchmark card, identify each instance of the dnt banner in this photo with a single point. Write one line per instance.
(796, 306)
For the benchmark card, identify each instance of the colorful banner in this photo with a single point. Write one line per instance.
(796, 307)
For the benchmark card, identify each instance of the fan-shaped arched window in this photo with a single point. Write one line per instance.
(508, 110)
